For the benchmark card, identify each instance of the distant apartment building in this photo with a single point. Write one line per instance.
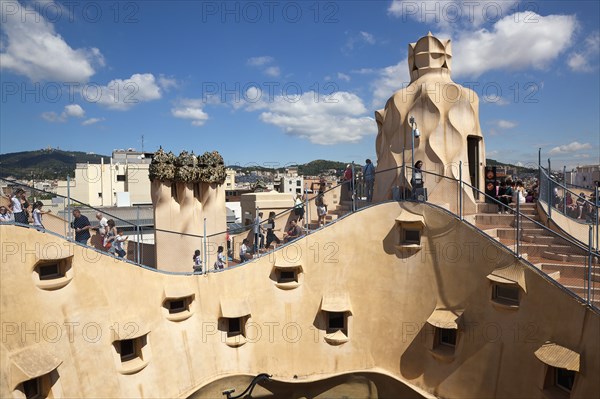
(230, 179)
(291, 184)
(122, 181)
(587, 176)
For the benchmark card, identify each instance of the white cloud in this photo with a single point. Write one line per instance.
(53, 117)
(581, 59)
(71, 110)
(74, 110)
(343, 76)
(265, 64)
(121, 94)
(513, 44)
(367, 37)
(453, 14)
(190, 108)
(31, 47)
(362, 38)
(260, 61)
(389, 80)
(494, 99)
(272, 71)
(321, 119)
(167, 83)
(91, 121)
(504, 124)
(571, 147)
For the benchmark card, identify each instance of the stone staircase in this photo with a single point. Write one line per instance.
(555, 256)
(343, 208)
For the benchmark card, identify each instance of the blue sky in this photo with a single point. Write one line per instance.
(287, 82)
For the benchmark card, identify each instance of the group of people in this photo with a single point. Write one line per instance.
(368, 175)
(112, 240)
(22, 212)
(261, 229)
(510, 192)
(579, 208)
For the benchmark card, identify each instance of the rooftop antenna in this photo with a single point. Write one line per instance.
(142, 143)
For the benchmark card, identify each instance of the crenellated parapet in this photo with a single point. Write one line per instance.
(187, 167)
(188, 197)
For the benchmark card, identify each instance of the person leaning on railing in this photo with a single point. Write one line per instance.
(6, 216)
(82, 227)
(294, 232)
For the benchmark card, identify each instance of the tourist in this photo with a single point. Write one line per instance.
(271, 237)
(518, 194)
(555, 197)
(19, 209)
(321, 209)
(294, 231)
(417, 178)
(119, 244)
(110, 236)
(348, 176)
(571, 206)
(580, 204)
(369, 176)
(37, 214)
(220, 262)
(197, 258)
(102, 224)
(245, 251)
(82, 227)
(504, 196)
(6, 216)
(258, 233)
(299, 207)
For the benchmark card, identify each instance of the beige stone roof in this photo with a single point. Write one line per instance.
(445, 318)
(30, 363)
(337, 302)
(558, 356)
(173, 291)
(407, 217)
(233, 308)
(281, 262)
(513, 274)
(130, 328)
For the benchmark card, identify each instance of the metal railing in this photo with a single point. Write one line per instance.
(577, 213)
(571, 264)
(60, 219)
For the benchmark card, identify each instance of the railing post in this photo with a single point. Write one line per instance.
(204, 247)
(550, 191)
(590, 259)
(540, 167)
(596, 215)
(564, 191)
(306, 213)
(460, 191)
(517, 224)
(138, 235)
(69, 220)
(353, 190)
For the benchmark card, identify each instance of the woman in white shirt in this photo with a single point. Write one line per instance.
(37, 214)
(17, 207)
(518, 193)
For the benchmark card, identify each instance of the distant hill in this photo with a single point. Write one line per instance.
(520, 169)
(44, 164)
(57, 164)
